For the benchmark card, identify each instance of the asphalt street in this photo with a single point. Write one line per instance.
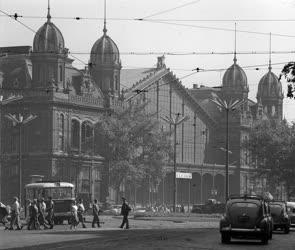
(143, 235)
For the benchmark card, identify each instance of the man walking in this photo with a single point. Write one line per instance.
(33, 216)
(125, 209)
(15, 212)
(95, 211)
(50, 212)
(81, 210)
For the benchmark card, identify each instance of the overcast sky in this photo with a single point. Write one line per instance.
(146, 36)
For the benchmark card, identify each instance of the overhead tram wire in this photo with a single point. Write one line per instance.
(171, 9)
(217, 28)
(79, 18)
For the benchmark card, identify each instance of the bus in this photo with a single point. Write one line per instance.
(62, 193)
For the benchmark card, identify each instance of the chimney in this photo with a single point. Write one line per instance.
(195, 86)
(161, 62)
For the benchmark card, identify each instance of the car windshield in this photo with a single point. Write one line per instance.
(252, 209)
(276, 209)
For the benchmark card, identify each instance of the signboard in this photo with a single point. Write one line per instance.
(180, 175)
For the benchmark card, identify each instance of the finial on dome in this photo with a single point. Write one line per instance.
(269, 63)
(105, 18)
(48, 12)
(235, 53)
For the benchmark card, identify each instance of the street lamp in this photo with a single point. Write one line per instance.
(4, 102)
(175, 120)
(20, 121)
(227, 106)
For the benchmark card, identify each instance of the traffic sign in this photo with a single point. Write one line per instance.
(181, 175)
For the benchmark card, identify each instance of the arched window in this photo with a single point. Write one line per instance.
(60, 73)
(61, 132)
(87, 137)
(75, 135)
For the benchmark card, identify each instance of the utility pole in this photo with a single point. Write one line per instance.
(2, 103)
(227, 106)
(175, 121)
(20, 121)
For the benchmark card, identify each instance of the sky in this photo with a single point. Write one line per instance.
(209, 27)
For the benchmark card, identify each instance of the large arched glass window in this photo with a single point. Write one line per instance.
(61, 132)
(75, 135)
(87, 137)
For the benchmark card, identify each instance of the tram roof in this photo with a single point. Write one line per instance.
(49, 185)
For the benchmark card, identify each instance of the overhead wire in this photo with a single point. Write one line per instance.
(78, 18)
(218, 28)
(171, 9)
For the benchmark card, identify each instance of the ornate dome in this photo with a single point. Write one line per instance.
(48, 38)
(105, 52)
(235, 78)
(269, 86)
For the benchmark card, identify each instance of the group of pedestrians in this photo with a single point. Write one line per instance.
(78, 210)
(37, 214)
(41, 214)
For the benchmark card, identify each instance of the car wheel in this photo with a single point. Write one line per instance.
(264, 239)
(270, 235)
(287, 230)
(225, 238)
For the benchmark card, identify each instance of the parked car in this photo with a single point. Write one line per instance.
(280, 216)
(291, 212)
(211, 206)
(112, 210)
(140, 211)
(245, 217)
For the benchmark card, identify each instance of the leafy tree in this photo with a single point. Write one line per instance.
(133, 145)
(272, 146)
(289, 74)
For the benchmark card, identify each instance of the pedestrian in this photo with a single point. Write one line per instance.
(4, 212)
(15, 212)
(81, 210)
(74, 215)
(33, 216)
(50, 212)
(125, 209)
(95, 211)
(41, 215)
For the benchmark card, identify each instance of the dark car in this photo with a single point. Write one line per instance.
(291, 213)
(280, 216)
(245, 218)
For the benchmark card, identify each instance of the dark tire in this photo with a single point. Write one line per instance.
(270, 235)
(264, 239)
(225, 238)
(287, 230)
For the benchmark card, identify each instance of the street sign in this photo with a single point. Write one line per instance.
(180, 175)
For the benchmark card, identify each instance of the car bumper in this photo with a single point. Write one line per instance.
(242, 230)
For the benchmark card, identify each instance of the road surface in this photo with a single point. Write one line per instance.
(152, 234)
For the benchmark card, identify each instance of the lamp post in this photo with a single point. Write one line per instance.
(227, 106)
(20, 121)
(2, 103)
(174, 121)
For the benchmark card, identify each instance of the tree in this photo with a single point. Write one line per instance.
(133, 145)
(272, 146)
(289, 74)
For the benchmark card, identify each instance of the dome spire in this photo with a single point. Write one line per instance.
(235, 53)
(269, 63)
(105, 18)
(48, 12)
